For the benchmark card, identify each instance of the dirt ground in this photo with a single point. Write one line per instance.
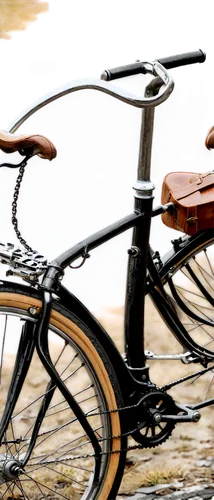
(180, 457)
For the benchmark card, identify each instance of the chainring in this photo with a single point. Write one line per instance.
(151, 430)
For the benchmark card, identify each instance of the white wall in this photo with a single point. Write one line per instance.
(59, 204)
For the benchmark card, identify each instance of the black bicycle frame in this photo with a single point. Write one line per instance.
(142, 278)
(136, 281)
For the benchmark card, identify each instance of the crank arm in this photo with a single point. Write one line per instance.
(189, 415)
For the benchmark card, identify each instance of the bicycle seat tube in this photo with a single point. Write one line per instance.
(137, 264)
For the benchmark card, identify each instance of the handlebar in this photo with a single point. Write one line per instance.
(141, 67)
(153, 68)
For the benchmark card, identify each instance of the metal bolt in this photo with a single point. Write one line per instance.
(196, 416)
(34, 311)
(133, 251)
(157, 417)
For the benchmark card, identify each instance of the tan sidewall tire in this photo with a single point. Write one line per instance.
(23, 302)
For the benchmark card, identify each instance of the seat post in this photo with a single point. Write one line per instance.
(137, 264)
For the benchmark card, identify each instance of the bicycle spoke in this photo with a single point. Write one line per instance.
(195, 327)
(193, 322)
(76, 394)
(209, 263)
(48, 432)
(13, 434)
(68, 407)
(210, 341)
(68, 451)
(36, 399)
(193, 292)
(19, 485)
(204, 272)
(8, 488)
(12, 488)
(38, 484)
(81, 483)
(194, 304)
(44, 457)
(67, 465)
(208, 389)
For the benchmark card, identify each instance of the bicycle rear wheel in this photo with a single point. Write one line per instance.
(189, 281)
(62, 464)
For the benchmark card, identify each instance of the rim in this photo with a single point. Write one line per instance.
(57, 459)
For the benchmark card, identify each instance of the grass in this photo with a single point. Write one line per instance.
(162, 476)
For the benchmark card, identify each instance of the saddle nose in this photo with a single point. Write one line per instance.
(208, 140)
(28, 145)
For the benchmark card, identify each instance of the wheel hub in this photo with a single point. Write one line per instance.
(10, 468)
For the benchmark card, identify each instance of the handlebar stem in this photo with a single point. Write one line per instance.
(143, 186)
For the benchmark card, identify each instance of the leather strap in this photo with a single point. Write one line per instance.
(202, 183)
(209, 142)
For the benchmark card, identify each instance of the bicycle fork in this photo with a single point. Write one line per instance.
(34, 336)
(44, 355)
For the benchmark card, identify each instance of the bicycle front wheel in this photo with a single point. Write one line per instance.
(63, 462)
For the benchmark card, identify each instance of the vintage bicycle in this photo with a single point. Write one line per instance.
(69, 399)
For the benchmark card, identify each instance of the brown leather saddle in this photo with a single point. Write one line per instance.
(27, 145)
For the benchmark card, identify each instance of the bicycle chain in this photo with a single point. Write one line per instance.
(14, 205)
(91, 455)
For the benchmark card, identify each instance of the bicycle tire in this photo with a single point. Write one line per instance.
(188, 278)
(61, 466)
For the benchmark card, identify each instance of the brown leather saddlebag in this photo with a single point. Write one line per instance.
(193, 198)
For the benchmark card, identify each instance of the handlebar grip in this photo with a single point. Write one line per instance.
(123, 71)
(179, 59)
(168, 62)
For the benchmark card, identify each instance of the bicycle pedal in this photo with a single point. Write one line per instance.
(23, 263)
(14, 256)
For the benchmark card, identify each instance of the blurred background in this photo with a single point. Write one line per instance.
(89, 184)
